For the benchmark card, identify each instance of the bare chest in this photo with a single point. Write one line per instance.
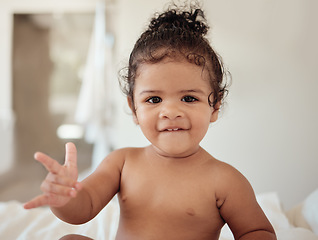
(169, 200)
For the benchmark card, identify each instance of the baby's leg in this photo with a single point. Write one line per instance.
(75, 237)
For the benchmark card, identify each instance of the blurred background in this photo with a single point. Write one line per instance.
(58, 83)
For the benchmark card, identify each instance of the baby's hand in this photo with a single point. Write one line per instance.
(60, 185)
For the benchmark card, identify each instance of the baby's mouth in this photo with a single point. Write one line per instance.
(172, 129)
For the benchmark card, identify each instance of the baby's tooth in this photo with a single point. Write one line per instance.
(172, 129)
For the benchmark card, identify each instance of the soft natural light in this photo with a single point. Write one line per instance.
(70, 131)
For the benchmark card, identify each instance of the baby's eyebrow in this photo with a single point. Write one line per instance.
(149, 92)
(193, 91)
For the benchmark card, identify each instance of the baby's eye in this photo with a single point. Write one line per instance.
(189, 99)
(154, 100)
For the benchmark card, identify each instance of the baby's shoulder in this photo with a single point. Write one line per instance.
(226, 176)
(118, 158)
(224, 168)
(220, 168)
(128, 152)
(229, 180)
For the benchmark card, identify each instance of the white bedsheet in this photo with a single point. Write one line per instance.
(17, 223)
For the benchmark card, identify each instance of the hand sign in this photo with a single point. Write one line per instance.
(60, 185)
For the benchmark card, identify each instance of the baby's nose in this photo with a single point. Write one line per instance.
(171, 111)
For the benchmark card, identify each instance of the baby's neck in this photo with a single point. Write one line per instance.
(153, 153)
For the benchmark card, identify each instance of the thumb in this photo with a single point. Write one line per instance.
(70, 155)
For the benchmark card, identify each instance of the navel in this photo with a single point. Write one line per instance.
(190, 212)
(124, 198)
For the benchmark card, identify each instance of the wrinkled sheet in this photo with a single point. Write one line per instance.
(17, 223)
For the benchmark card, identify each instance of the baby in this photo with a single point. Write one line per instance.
(171, 189)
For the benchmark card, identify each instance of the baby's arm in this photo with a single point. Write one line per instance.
(75, 202)
(239, 208)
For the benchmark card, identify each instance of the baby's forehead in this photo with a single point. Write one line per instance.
(178, 61)
(172, 73)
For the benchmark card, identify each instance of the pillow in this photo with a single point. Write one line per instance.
(296, 234)
(297, 218)
(310, 211)
(305, 214)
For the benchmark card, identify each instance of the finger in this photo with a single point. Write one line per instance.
(49, 163)
(56, 189)
(71, 155)
(38, 201)
(61, 180)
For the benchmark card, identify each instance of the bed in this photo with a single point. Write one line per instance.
(299, 223)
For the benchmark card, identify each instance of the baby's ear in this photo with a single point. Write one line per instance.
(133, 110)
(215, 112)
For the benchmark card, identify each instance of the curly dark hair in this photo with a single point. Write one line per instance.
(177, 33)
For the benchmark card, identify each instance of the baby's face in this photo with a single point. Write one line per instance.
(172, 108)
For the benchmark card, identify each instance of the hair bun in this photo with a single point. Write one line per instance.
(180, 21)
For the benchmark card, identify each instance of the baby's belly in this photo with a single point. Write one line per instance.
(168, 230)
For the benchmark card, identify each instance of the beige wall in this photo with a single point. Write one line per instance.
(268, 128)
